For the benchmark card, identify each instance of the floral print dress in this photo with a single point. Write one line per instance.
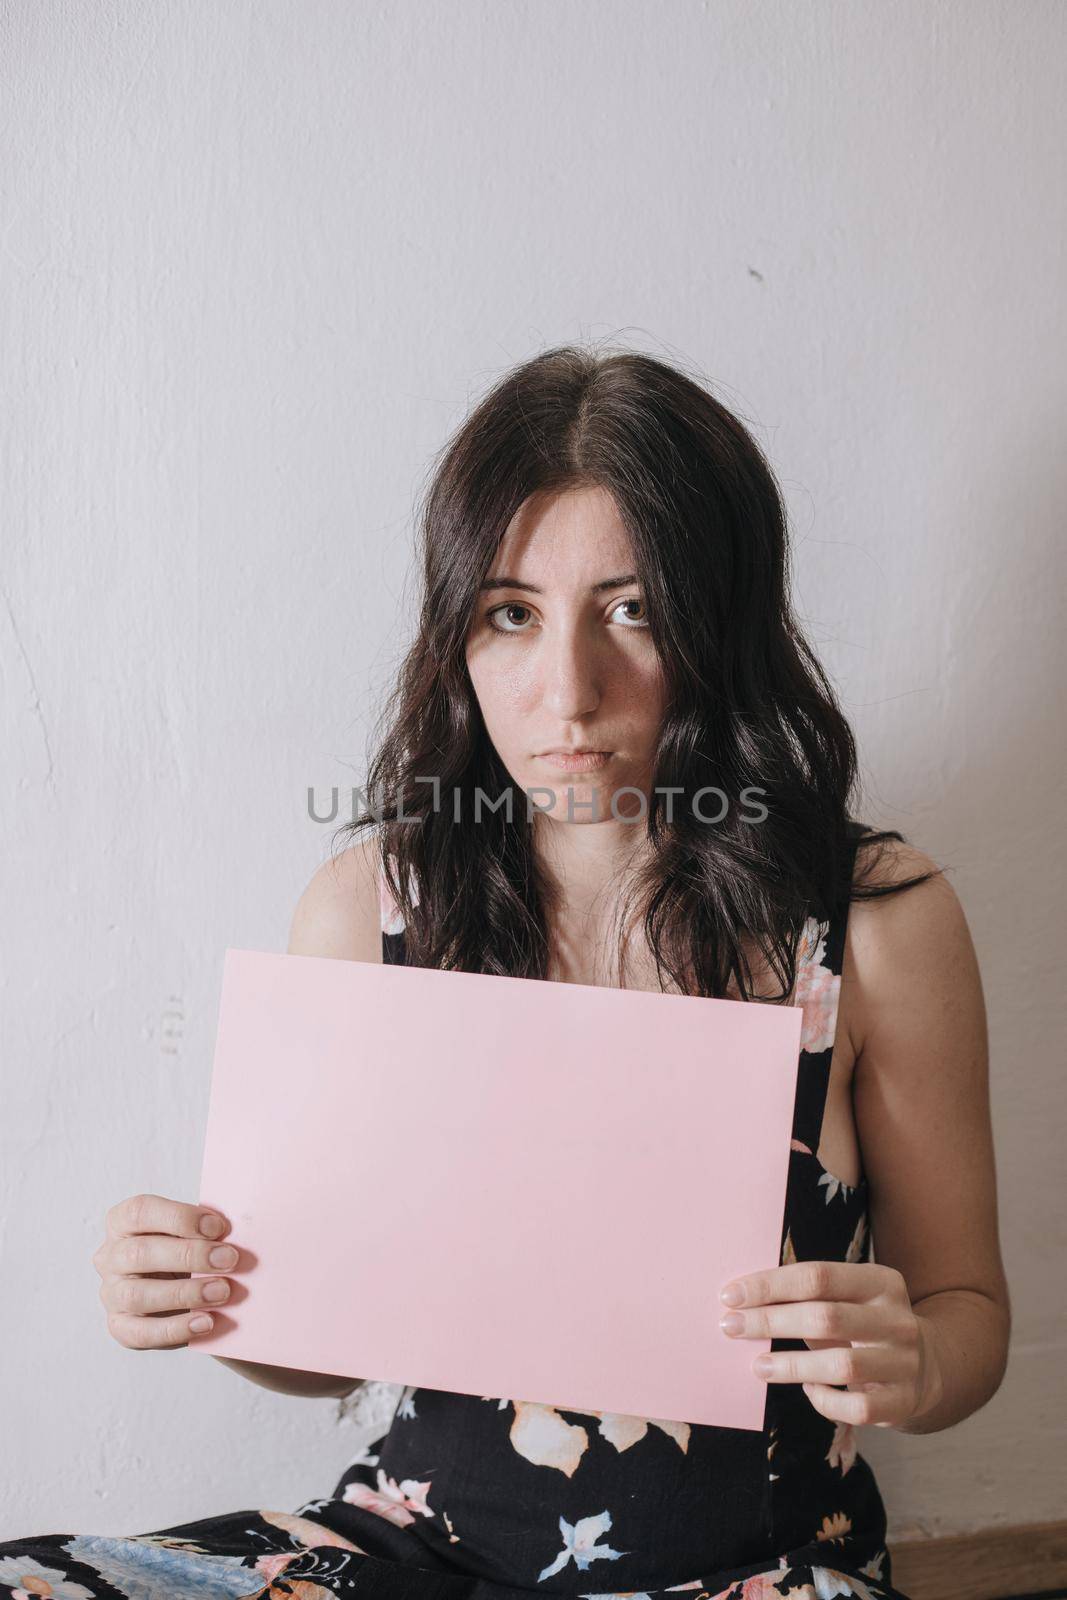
(469, 1497)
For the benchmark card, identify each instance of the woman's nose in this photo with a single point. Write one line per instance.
(570, 686)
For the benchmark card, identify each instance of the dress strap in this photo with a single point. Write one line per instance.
(391, 917)
(818, 992)
(391, 920)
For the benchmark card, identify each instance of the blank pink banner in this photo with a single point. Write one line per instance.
(498, 1186)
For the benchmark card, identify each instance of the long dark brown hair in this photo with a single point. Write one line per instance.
(748, 705)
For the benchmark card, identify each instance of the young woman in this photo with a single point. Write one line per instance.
(620, 763)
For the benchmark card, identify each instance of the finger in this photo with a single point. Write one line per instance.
(157, 1296)
(833, 1320)
(813, 1280)
(155, 1213)
(152, 1333)
(151, 1252)
(855, 1365)
(879, 1406)
(884, 1422)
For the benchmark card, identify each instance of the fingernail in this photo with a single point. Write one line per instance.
(225, 1255)
(733, 1322)
(732, 1295)
(211, 1226)
(216, 1291)
(200, 1323)
(762, 1366)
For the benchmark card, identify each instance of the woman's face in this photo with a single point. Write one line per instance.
(560, 655)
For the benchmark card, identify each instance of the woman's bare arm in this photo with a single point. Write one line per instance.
(921, 1100)
(338, 916)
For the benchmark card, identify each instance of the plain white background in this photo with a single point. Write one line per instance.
(257, 261)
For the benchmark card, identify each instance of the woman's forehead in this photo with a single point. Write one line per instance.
(564, 537)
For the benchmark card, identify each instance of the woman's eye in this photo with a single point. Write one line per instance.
(512, 605)
(505, 611)
(637, 622)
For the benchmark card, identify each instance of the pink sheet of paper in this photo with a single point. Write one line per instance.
(497, 1186)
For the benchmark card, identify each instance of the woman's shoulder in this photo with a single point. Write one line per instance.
(339, 912)
(908, 951)
(893, 866)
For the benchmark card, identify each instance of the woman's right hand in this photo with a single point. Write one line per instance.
(152, 1246)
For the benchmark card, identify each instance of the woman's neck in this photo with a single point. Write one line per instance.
(586, 863)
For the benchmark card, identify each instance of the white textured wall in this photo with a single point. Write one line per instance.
(256, 259)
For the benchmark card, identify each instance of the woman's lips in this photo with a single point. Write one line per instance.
(585, 761)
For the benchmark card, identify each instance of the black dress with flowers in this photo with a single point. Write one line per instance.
(469, 1497)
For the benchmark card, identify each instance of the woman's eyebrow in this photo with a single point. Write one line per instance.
(489, 584)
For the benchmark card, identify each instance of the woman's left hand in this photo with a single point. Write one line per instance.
(857, 1319)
